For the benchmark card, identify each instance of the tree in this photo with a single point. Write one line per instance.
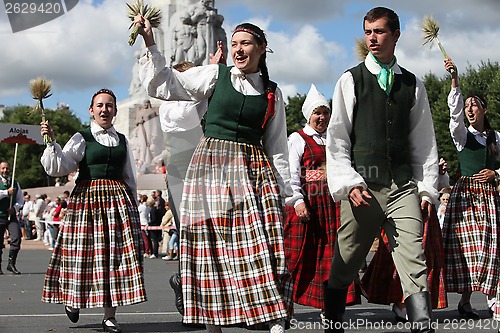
(293, 109)
(29, 171)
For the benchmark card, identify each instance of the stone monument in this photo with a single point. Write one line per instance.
(189, 31)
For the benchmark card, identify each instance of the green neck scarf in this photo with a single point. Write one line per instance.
(385, 77)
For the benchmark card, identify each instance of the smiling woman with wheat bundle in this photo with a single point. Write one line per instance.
(232, 255)
(470, 227)
(97, 261)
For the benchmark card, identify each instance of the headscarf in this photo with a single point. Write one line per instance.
(313, 100)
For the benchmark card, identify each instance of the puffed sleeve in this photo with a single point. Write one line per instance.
(61, 162)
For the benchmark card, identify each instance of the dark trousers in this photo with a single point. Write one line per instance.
(14, 235)
(155, 236)
(28, 226)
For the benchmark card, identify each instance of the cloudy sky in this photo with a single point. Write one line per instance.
(313, 42)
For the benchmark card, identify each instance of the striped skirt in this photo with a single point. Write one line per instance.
(232, 257)
(97, 259)
(310, 245)
(470, 236)
(381, 280)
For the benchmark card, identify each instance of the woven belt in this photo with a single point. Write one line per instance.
(314, 175)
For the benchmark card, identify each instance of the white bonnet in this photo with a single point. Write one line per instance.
(313, 100)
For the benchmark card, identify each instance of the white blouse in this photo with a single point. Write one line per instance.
(198, 83)
(144, 211)
(60, 162)
(457, 125)
(296, 146)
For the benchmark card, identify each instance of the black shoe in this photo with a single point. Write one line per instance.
(74, 316)
(12, 268)
(466, 313)
(1, 272)
(175, 283)
(110, 325)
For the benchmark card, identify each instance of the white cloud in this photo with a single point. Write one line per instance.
(85, 47)
(303, 58)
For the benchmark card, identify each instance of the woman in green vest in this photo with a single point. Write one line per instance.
(470, 228)
(97, 261)
(232, 255)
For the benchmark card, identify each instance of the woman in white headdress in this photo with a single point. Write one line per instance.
(312, 215)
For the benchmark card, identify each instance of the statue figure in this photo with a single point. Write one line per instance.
(219, 34)
(194, 30)
(146, 139)
(135, 85)
(183, 37)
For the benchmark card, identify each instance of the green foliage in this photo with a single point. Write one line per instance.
(29, 171)
(293, 109)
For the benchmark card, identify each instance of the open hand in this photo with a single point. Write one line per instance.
(219, 57)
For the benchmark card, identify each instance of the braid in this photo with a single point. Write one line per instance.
(265, 72)
(491, 139)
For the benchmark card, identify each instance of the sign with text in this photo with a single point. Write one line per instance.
(20, 133)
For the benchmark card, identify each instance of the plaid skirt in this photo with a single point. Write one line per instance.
(232, 257)
(381, 280)
(97, 259)
(470, 236)
(309, 246)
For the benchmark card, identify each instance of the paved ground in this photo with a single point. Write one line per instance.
(22, 312)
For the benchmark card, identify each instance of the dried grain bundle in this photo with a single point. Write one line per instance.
(40, 90)
(152, 14)
(361, 49)
(431, 30)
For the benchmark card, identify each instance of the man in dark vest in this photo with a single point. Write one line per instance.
(382, 164)
(11, 199)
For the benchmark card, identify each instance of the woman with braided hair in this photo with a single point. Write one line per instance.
(470, 227)
(232, 254)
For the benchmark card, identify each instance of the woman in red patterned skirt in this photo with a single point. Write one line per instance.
(312, 215)
(97, 261)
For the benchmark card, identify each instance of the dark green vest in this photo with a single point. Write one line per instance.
(381, 125)
(5, 202)
(232, 115)
(101, 162)
(475, 157)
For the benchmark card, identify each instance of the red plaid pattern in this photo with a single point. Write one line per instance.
(470, 236)
(381, 280)
(232, 257)
(97, 259)
(309, 245)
